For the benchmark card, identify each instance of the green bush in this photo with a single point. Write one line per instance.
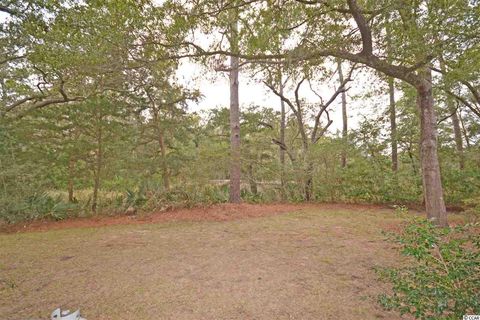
(38, 206)
(182, 196)
(135, 198)
(442, 277)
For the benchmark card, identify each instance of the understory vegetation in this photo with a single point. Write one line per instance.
(96, 112)
(441, 279)
(50, 168)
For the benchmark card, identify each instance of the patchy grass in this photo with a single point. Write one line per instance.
(310, 264)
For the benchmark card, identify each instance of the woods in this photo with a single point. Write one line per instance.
(92, 102)
(240, 159)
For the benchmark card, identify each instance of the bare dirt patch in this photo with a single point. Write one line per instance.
(221, 212)
(313, 263)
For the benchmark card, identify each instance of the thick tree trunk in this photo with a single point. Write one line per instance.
(432, 183)
(344, 115)
(282, 140)
(235, 164)
(71, 168)
(393, 124)
(163, 152)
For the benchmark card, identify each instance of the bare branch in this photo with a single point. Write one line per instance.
(281, 96)
(284, 147)
(13, 58)
(449, 115)
(463, 101)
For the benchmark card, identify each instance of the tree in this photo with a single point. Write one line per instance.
(300, 108)
(344, 113)
(359, 47)
(235, 155)
(393, 123)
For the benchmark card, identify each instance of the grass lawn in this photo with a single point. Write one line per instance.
(309, 263)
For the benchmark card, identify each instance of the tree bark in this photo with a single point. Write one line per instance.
(393, 124)
(432, 184)
(309, 181)
(344, 115)
(457, 131)
(98, 164)
(163, 152)
(161, 144)
(235, 161)
(464, 131)
(282, 139)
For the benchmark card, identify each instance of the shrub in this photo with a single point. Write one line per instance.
(38, 206)
(442, 278)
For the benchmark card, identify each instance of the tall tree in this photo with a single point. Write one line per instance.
(235, 156)
(393, 123)
(344, 114)
(282, 133)
(309, 136)
(418, 51)
(452, 110)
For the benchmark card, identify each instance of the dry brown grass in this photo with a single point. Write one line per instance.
(309, 264)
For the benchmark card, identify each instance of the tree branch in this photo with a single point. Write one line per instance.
(284, 147)
(362, 24)
(8, 10)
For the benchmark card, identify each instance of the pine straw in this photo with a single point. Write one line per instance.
(311, 263)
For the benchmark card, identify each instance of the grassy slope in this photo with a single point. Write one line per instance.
(309, 264)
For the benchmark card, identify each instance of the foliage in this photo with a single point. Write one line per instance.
(441, 277)
(39, 206)
(91, 104)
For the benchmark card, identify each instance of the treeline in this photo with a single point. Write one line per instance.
(91, 105)
(105, 156)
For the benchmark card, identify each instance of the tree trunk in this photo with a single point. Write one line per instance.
(235, 165)
(432, 183)
(344, 115)
(458, 135)
(457, 131)
(464, 131)
(163, 152)
(282, 140)
(309, 181)
(98, 166)
(71, 168)
(393, 124)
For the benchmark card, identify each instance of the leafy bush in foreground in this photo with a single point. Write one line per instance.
(442, 279)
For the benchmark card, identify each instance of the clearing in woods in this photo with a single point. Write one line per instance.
(290, 262)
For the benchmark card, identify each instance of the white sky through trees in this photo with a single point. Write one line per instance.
(214, 87)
